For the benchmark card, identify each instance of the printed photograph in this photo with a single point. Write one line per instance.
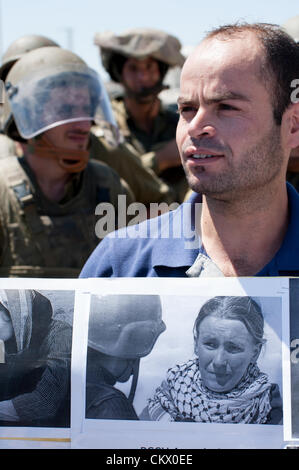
(185, 359)
(294, 356)
(35, 357)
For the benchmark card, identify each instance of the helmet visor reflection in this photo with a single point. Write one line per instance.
(40, 103)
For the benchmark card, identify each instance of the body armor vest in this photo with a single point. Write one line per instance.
(44, 238)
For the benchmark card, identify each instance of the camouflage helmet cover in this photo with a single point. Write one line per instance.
(125, 326)
(291, 26)
(21, 46)
(139, 43)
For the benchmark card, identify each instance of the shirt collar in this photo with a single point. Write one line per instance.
(178, 242)
(178, 251)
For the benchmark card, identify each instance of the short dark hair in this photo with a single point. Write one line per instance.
(280, 63)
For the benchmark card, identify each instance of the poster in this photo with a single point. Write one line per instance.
(124, 414)
(149, 364)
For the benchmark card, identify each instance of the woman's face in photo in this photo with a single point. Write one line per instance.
(225, 349)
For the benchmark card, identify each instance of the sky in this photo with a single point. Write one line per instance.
(73, 23)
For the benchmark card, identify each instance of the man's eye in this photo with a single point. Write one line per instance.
(227, 107)
(66, 110)
(184, 110)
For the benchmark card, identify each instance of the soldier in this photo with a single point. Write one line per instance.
(139, 59)
(292, 28)
(147, 187)
(122, 329)
(14, 52)
(48, 197)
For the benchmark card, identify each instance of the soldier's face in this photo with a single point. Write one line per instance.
(69, 103)
(226, 135)
(73, 136)
(139, 74)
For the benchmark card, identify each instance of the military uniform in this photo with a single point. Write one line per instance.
(165, 49)
(41, 238)
(145, 184)
(8, 147)
(146, 144)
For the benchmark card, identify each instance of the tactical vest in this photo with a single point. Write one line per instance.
(46, 239)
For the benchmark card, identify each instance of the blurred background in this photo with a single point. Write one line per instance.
(73, 23)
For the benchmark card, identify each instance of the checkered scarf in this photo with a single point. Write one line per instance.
(184, 398)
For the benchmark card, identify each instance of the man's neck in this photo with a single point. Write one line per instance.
(241, 237)
(143, 114)
(51, 179)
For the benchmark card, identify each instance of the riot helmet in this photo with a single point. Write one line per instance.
(49, 87)
(21, 46)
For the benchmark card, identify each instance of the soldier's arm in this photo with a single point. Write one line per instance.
(145, 184)
(167, 156)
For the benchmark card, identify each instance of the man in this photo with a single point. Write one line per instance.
(14, 52)
(122, 329)
(138, 59)
(49, 196)
(147, 187)
(237, 128)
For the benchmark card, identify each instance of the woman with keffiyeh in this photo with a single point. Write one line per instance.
(223, 383)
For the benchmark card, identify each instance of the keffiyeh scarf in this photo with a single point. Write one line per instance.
(184, 398)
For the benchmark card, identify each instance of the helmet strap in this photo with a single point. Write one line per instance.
(71, 160)
(134, 380)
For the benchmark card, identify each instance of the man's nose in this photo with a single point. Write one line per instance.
(201, 124)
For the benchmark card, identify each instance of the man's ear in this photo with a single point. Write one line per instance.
(293, 125)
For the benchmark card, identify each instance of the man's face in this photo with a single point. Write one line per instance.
(226, 133)
(140, 74)
(73, 102)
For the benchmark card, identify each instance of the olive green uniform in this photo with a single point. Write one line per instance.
(145, 144)
(145, 184)
(41, 238)
(7, 146)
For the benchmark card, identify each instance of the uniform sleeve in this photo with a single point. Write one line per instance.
(145, 185)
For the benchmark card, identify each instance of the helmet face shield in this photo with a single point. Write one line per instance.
(56, 97)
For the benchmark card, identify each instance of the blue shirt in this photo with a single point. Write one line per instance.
(166, 246)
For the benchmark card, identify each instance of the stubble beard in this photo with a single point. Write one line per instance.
(257, 168)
